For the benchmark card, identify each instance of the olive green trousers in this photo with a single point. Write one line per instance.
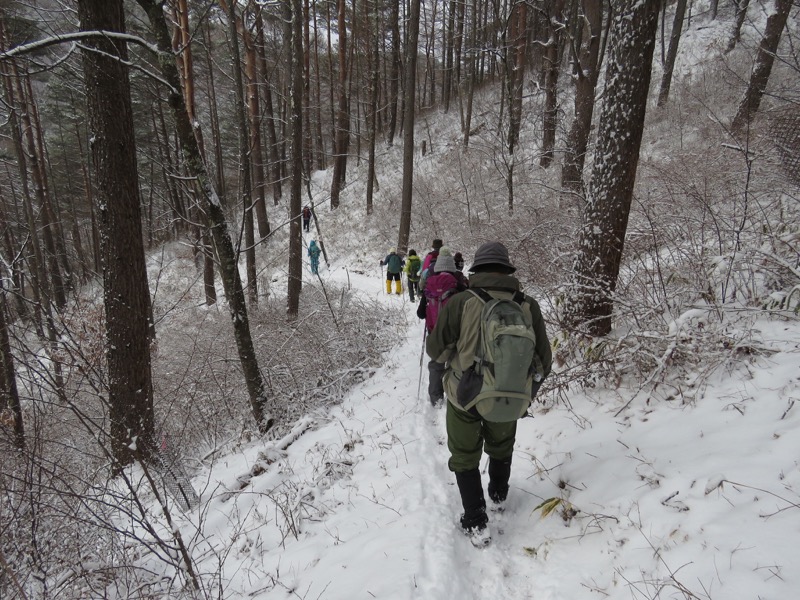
(469, 436)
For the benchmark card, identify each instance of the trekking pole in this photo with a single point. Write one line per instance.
(421, 356)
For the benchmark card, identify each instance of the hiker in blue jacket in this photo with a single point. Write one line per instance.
(313, 253)
(394, 266)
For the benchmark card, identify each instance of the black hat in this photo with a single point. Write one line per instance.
(437, 243)
(492, 253)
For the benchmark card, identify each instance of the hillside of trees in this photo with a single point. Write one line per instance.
(640, 159)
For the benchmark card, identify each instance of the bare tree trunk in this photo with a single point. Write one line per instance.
(602, 236)
(229, 270)
(449, 39)
(586, 81)
(308, 142)
(211, 96)
(42, 196)
(469, 80)
(763, 66)
(458, 41)
(14, 249)
(408, 127)
(373, 107)
(342, 123)
(295, 35)
(672, 53)
(87, 185)
(254, 115)
(126, 293)
(321, 157)
(394, 71)
(77, 243)
(63, 275)
(33, 257)
(8, 378)
(244, 157)
(551, 73)
(741, 13)
(272, 137)
(518, 51)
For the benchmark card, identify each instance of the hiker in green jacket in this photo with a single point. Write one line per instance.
(454, 341)
(412, 270)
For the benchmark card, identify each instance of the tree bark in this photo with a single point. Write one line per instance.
(342, 122)
(33, 257)
(741, 13)
(672, 53)
(394, 70)
(254, 116)
(516, 72)
(373, 107)
(469, 81)
(295, 35)
(272, 137)
(763, 66)
(8, 378)
(586, 81)
(551, 72)
(126, 293)
(408, 127)
(36, 161)
(602, 237)
(245, 190)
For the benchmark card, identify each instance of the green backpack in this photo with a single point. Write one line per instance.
(507, 370)
(414, 263)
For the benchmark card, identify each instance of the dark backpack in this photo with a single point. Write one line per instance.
(439, 287)
(394, 264)
(507, 370)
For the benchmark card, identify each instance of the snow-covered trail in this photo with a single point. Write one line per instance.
(373, 507)
(360, 503)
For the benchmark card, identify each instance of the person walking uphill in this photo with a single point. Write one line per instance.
(313, 253)
(394, 266)
(431, 256)
(493, 340)
(306, 218)
(413, 269)
(438, 288)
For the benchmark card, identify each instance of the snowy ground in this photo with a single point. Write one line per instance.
(693, 500)
(693, 497)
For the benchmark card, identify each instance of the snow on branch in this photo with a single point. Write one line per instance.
(76, 36)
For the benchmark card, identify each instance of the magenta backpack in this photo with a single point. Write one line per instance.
(438, 289)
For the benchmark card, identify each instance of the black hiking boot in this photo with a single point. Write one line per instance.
(474, 520)
(499, 474)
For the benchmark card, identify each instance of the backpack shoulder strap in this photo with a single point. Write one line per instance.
(481, 293)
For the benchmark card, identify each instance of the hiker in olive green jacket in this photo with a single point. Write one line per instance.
(454, 341)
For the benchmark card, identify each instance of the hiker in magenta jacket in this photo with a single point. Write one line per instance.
(453, 343)
(438, 289)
